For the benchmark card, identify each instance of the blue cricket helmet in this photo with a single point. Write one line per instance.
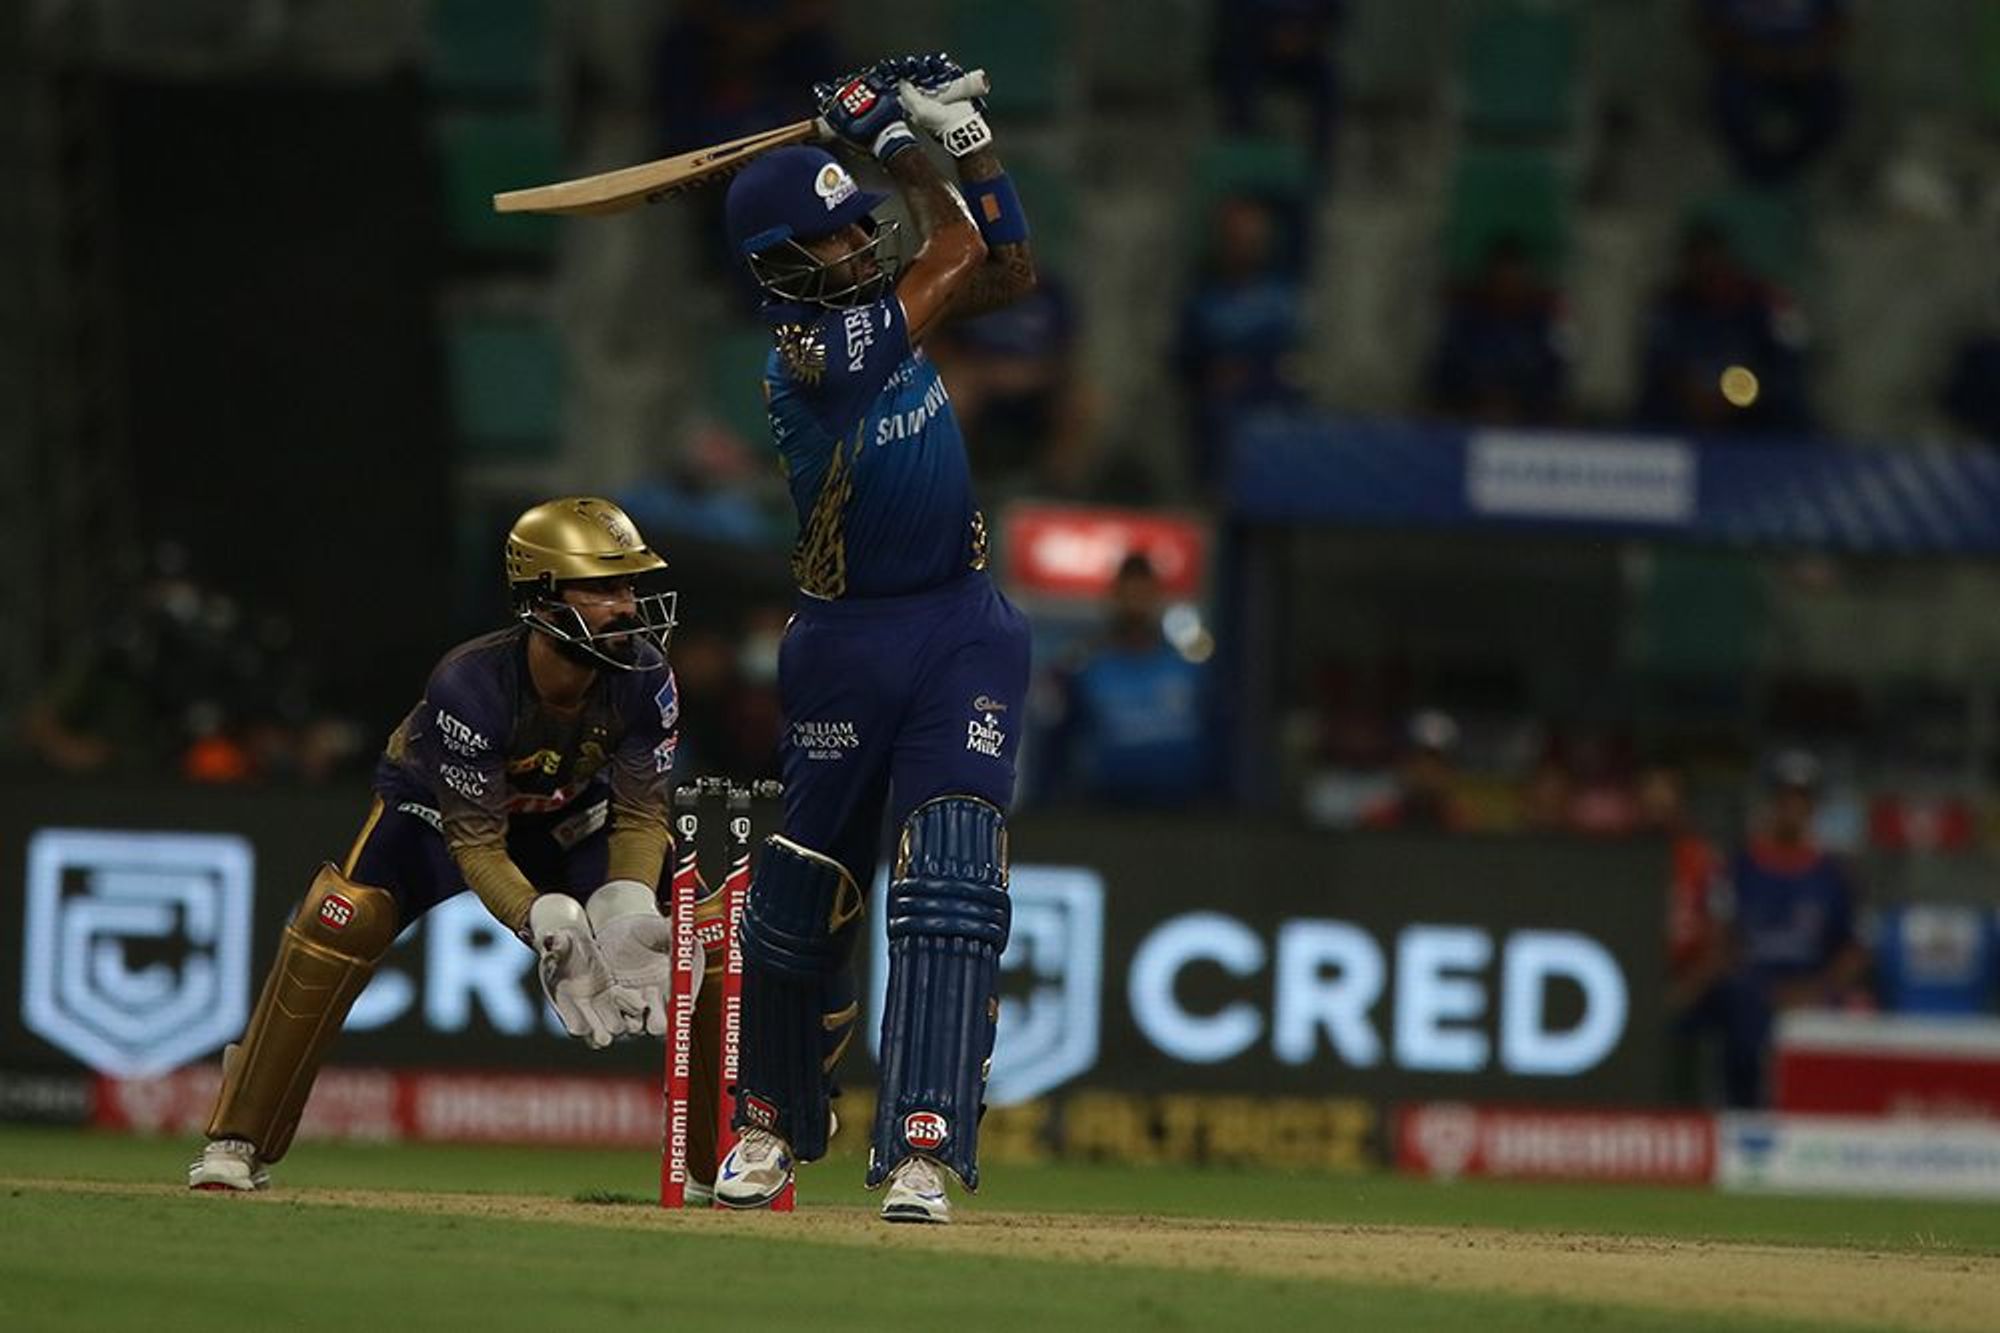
(790, 194)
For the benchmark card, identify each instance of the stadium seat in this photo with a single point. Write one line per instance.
(1278, 169)
(506, 387)
(1498, 191)
(1395, 58)
(1023, 44)
(735, 372)
(1767, 228)
(1158, 71)
(1517, 70)
(1049, 199)
(1986, 62)
(482, 153)
(1701, 613)
(488, 48)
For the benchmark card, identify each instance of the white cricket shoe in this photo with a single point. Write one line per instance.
(698, 1195)
(228, 1164)
(916, 1193)
(756, 1171)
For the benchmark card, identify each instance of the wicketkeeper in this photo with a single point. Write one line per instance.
(903, 670)
(534, 772)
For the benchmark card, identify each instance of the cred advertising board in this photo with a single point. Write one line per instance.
(1149, 959)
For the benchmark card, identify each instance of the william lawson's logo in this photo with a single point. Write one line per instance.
(137, 945)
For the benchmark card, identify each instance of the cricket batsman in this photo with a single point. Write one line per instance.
(903, 670)
(533, 771)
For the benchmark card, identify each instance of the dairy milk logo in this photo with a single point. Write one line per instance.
(1051, 976)
(984, 735)
(137, 951)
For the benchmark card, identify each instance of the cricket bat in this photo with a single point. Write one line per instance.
(650, 182)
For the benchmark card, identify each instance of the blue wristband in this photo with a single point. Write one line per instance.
(996, 211)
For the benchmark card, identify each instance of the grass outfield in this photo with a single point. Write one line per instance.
(101, 1237)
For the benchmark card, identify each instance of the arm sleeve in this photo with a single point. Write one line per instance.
(461, 745)
(864, 347)
(640, 769)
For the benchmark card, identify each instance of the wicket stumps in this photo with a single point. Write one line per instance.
(721, 934)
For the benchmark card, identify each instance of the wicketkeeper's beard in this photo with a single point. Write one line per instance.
(622, 650)
(618, 639)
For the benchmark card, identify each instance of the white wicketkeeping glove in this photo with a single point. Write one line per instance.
(573, 972)
(638, 947)
(947, 113)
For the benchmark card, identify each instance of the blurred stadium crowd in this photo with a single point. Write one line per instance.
(1765, 219)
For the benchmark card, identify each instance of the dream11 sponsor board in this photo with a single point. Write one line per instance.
(1447, 1140)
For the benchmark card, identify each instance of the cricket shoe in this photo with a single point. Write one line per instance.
(756, 1171)
(916, 1193)
(698, 1195)
(228, 1164)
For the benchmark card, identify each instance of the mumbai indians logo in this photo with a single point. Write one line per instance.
(925, 1131)
(136, 955)
(833, 185)
(1051, 981)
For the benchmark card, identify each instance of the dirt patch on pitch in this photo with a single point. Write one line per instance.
(1834, 1286)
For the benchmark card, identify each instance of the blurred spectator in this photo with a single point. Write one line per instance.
(1426, 794)
(728, 68)
(1545, 796)
(1791, 921)
(1262, 48)
(180, 682)
(1132, 722)
(1503, 355)
(1020, 395)
(1937, 958)
(1696, 949)
(1972, 392)
(1779, 95)
(1723, 349)
(1603, 801)
(1240, 327)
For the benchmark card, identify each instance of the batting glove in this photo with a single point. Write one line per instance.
(574, 976)
(638, 947)
(930, 72)
(864, 111)
(950, 114)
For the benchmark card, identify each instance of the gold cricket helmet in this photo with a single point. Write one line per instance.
(578, 541)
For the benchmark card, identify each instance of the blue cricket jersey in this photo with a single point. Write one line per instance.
(871, 452)
(1793, 910)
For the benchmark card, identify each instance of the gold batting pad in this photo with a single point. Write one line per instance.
(329, 951)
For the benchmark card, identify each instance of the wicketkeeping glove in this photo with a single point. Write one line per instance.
(574, 976)
(864, 111)
(638, 946)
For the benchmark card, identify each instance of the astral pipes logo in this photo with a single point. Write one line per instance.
(137, 945)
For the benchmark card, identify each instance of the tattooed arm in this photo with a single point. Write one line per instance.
(953, 251)
(1009, 271)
